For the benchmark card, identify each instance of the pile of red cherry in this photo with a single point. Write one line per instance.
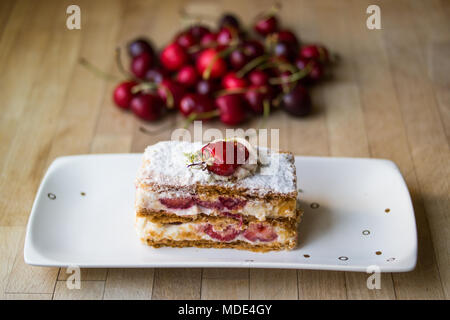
(224, 73)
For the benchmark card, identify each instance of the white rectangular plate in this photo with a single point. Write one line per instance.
(83, 216)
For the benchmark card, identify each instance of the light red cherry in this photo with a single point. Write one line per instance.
(173, 57)
(210, 58)
(122, 94)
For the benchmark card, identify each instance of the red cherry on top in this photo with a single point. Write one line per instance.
(232, 81)
(173, 57)
(147, 106)
(122, 94)
(141, 64)
(211, 56)
(232, 108)
(187, 76)
(226, 156)
(266, 25)
(196, 103)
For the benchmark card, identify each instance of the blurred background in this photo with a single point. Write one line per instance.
(387, 96)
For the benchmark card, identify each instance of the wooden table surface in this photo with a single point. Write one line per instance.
(389, 98)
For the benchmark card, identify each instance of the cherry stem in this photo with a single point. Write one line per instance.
(201, 116)
(143, 86)
(269, 13)
(222, 54)
(97, 71)
(196, 164)
(122, 68)
(169, 97)
(291, 78)
(224, 92)
(251, 65)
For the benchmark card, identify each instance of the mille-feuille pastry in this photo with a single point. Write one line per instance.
(225, 194)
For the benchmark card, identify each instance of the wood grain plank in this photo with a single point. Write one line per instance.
(136, 284)
(431, 24)
(225, 284)
(170, 284)
(29, 296)
(85, 274)
(273, 284)
(89, 290)
(26, 279)
(387, 139)
(10, 241)
(40, 100)
(318, 285)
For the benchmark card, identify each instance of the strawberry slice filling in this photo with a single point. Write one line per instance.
(261, 232)
(254, 232)
(227, 234)
(177, 203)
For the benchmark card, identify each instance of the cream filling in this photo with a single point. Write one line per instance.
(150, 199)
(157, 231)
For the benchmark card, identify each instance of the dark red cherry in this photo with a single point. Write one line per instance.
(155, 75)
(173, 57)
(122, 94)
(198, 31)
(252, 49)
(206, 87)
(138, 46)
(258, 78)
(224, 36)
(186, 40)
(266, 25)
(176, 90)
(208, 39)
(232, 108)
(238, 59)
(147, 106)
(187, 76)
(255, 97)
(315, 52)
(316, 73)
(211, 57)
(141, 64)
(285, 50)
(287, 36)
(229, 20)
(196, 103)
(297, 102)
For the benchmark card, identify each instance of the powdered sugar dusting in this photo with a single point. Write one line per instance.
(165, 164)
